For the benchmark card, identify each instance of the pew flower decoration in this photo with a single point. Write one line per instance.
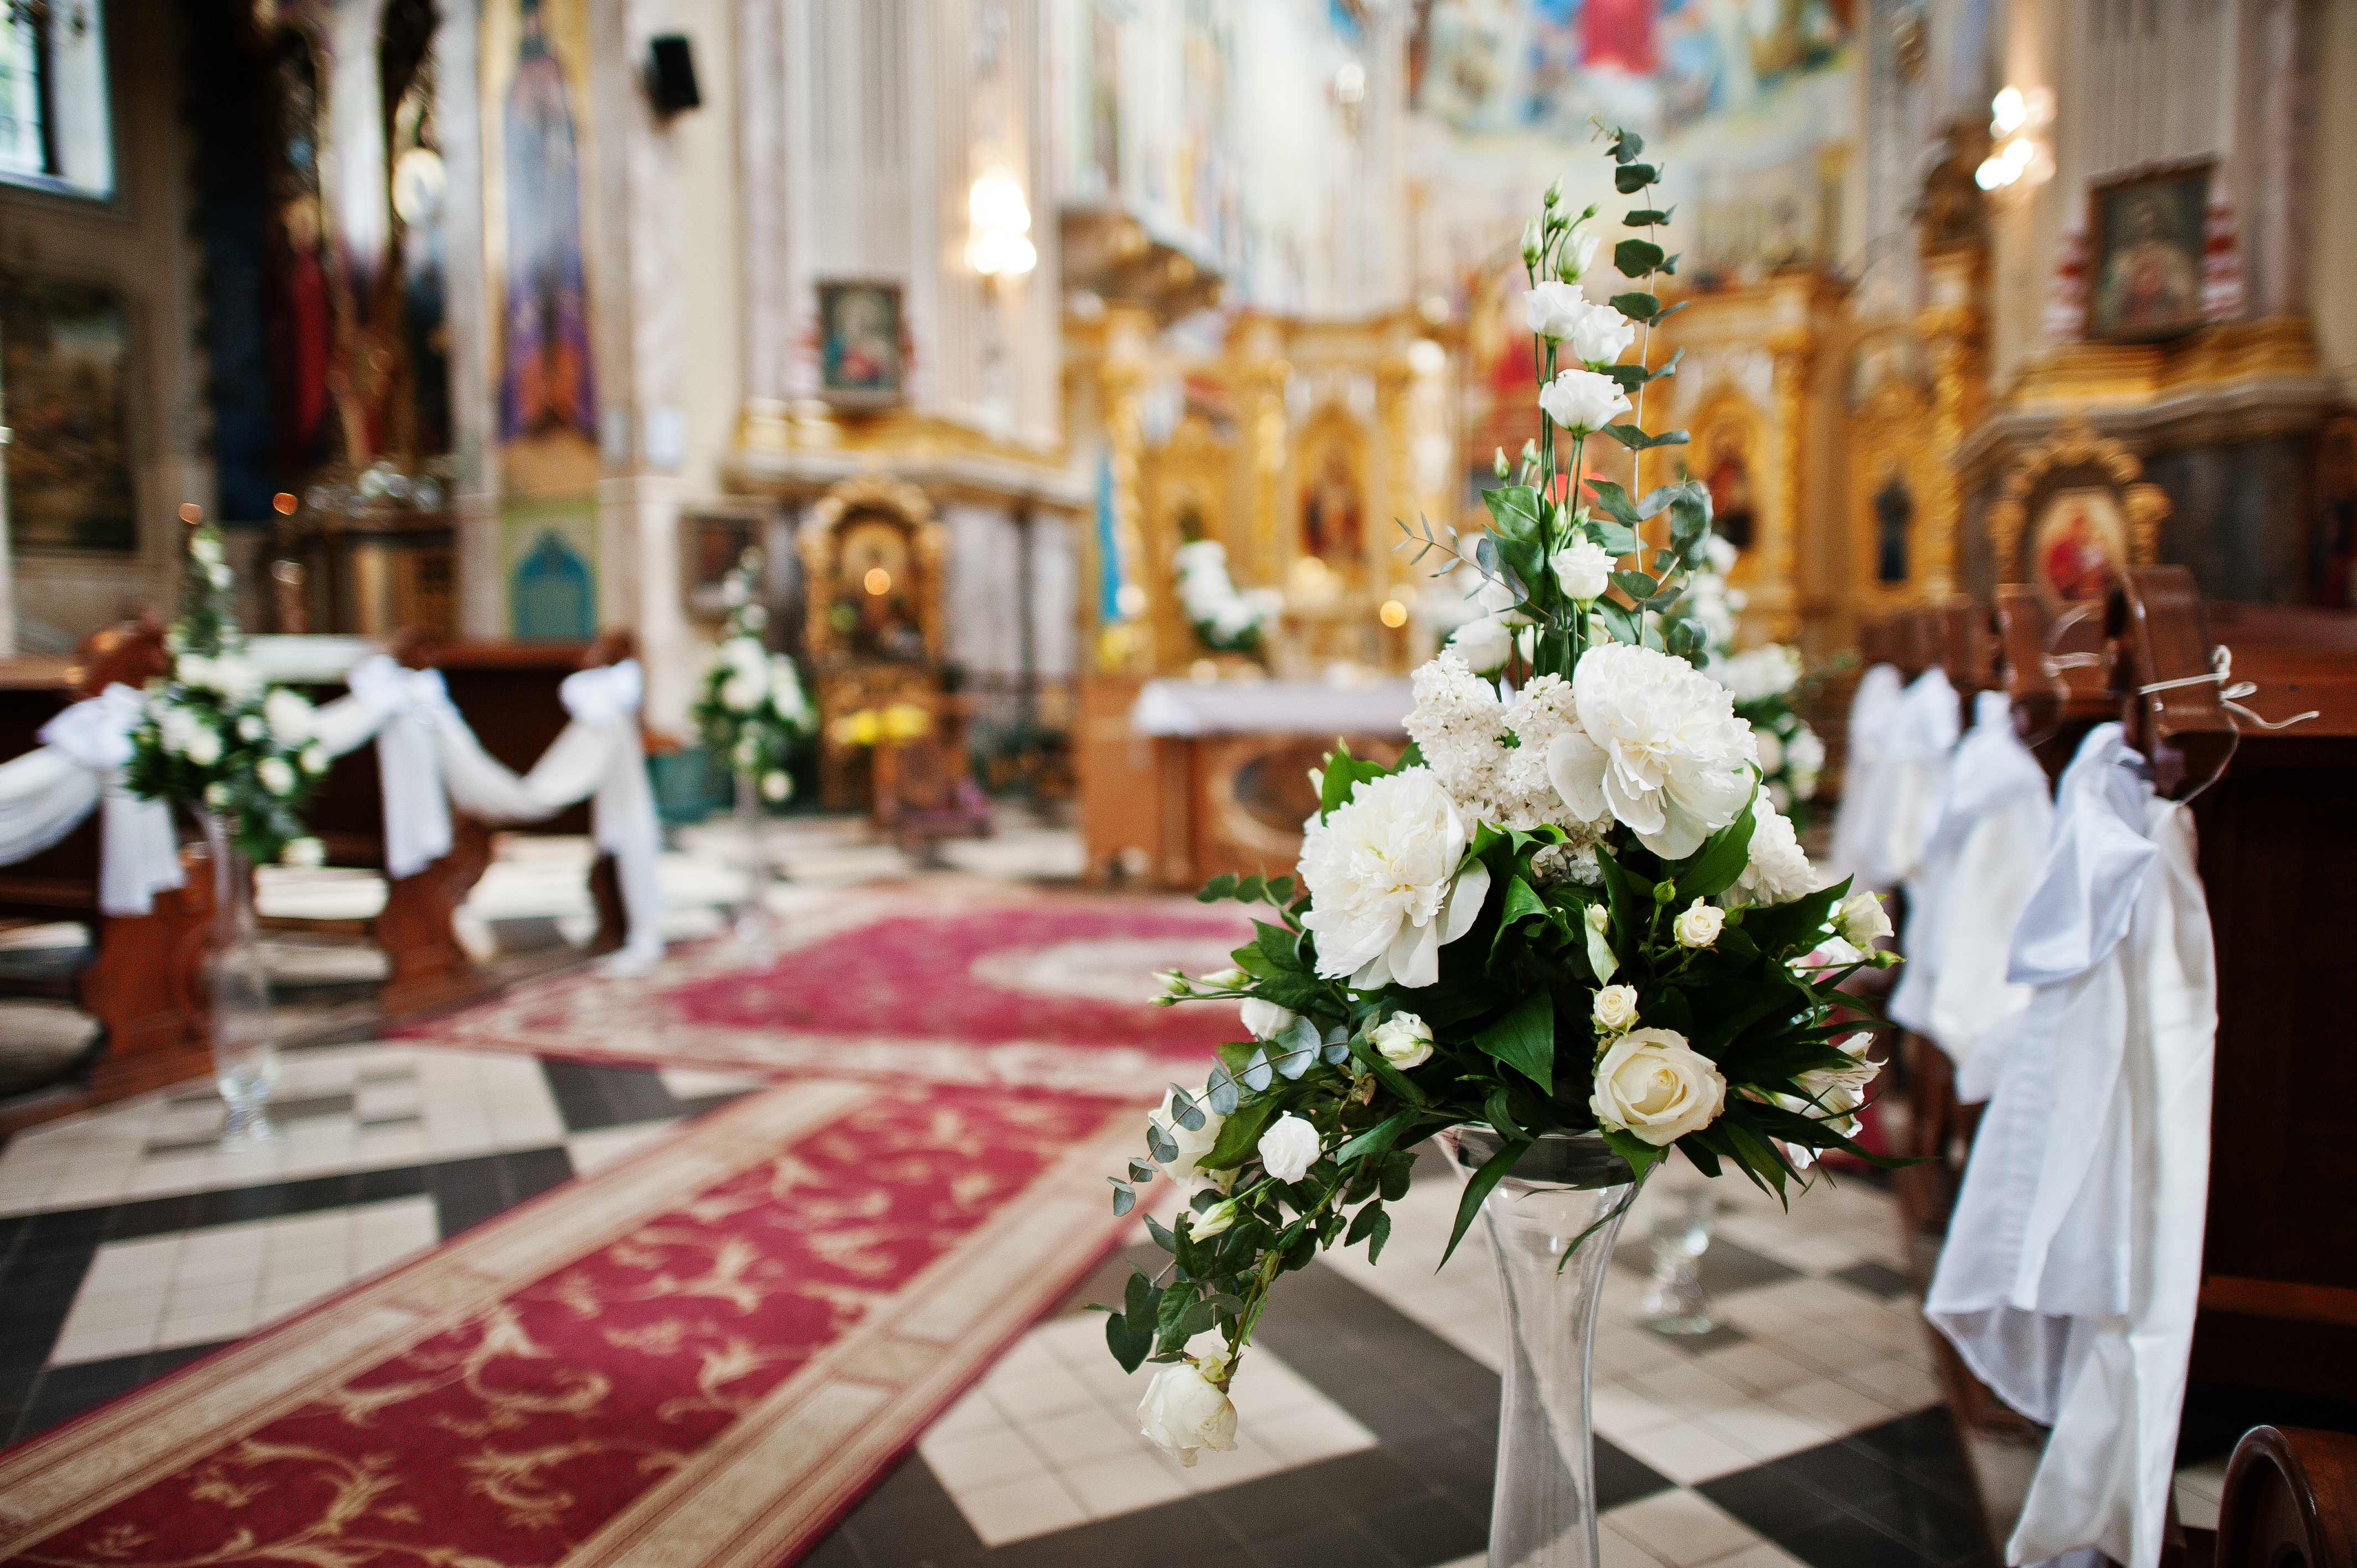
(215, 735)
(751, 709)
(1226, 620)
(1570, 908)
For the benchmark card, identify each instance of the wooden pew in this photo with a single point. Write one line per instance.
(2290, 1499)
(2057, 671)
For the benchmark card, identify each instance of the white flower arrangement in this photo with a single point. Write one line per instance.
(750, 708)
(1227, 620)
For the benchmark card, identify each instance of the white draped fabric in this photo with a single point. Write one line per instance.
(45, 793)
(604, 703)
(1898, 809)
(2069, 1278)
(1986, 849)
(1870, 712)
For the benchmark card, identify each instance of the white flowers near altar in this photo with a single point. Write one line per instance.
(1226, 620)
(751, 709)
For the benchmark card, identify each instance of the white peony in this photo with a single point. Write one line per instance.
(1779, 871)
(1601, 334)
(1652, 1085)
(1585, 569)
(1699, 925)
(1583, 400)
(289, 715)
(1404, 1040)
(274, 775)
(1659, 747)
(1289, 1148)
(1383, 874)
(1192, 1145)
(1186, 1409)
(1484, 645)
(1266, 1020)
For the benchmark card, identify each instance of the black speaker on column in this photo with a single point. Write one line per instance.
(671, 74)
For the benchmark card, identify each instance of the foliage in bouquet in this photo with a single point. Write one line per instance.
(1226, 620)
(1569, 908)
(1765, 682)
(215, 735)
(749, 708)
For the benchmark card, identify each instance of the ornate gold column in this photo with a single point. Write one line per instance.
(1950, 324)
(1396, 417)
(1128, 643)
(1261, 373)
(1775, 597)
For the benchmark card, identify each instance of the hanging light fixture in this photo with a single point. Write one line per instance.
(998, 219)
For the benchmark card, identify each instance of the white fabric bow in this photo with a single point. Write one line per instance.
(410, 706)
(1870, 712)
(46, 792)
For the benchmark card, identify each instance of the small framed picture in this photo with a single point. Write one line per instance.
(2146, 244)
(861, 362)
(712, 542)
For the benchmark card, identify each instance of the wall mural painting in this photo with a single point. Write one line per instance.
(2079, 545)
(65, 358)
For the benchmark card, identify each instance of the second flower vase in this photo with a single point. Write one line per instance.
(245, 1047)
(756, 926)
(1568, 1192)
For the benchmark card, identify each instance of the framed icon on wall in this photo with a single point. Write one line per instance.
(2147, 241)
(862, 356)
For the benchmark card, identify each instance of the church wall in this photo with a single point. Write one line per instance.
(2332, 199)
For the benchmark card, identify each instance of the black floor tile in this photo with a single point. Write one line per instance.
(909, 1520)
(1843, 1541)
(1361, 1483)
(1876, 1279)
(468, 1192)
(591, 1096)
(1422, 1531)
(1770, 1501)
(1623, 1479)
(1463, 1465)
(1325, 1544)
(1937, 1524)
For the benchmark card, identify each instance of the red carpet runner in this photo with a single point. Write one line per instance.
(982, 988)
(696, 1356)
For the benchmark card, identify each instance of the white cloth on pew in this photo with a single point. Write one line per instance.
(2069, 1278)
(604, 703)
(1870, 712)
(1916, 746)
(410, 706)
(45, 793)
(1986, 850)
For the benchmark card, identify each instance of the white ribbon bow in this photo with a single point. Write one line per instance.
(46, 792)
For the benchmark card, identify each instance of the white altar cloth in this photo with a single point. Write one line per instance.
(1271, 707)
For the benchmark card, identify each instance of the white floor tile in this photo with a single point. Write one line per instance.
(1124, 1483)
(1687, 1452)
(1681, 1528)
(1015, 1510)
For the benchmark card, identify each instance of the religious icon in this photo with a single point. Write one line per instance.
(874, 591)
(2079, 546)
(859, 348)
(546, 386)
(2147, 248)
(1894, 513)
(1731, 506)
(67, 350)
(1329, 512)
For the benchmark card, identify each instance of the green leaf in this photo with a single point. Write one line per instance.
(1637, 305)
(1626, 144)
(1280, 889)
(1501, 1115)
(1390, 1077)
(1520, 904)
(1670, 265)
(1646, 217)
(1636, 585)
(1377, 1139)
(1343, 774)
(1668, 367)
(1635, 258)
(1129, 1347)
(1124, 1196)
(1516, 510)
(1721, 859)
(1240, 1134)
(1634, 437)
(1141, 1171)
(1525, 1040)
(1219, 1093)
(1372, 1226)
(1161, 1234)
(1249, 890)
(1281, 946)
(1629, 377)
(1631, 178)
(1781, 928)
(1477, 1188)
(1616, 504)
(1217, 888)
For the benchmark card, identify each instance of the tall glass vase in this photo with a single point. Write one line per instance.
(756, 926)
(245, 1051)
(1568, 1192)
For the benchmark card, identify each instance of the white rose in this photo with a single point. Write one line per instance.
(1779, 870)
(304, 852)
(1552, 309)
(1267, 1020)
(289, 715)
(1616, 1007)
(1289, 1148)
(1859, 918)
(1192, 1145)
(1601, 334)
(1654, 1086)
(777, 786)
(1388, 880)
(1698, 926)
(1404, 1040)
(741, 694)
(1185, 1411)
(1483, 644)
(1658, 746)
(1585, 569)
(275, 776)
(1582, 401)
(202, 745)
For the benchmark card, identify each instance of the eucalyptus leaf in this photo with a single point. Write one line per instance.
(1219, 1093)
(1258, 1073)
(1631, 178)
(1635, 258)
(1124, 1196)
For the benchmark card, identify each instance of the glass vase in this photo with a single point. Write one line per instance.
(1567, 1193)
(756, 928)
(1675, 1301)
(245, 1051)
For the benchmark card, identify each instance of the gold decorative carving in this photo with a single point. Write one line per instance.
(1950, 329)
(1727, 419)
(1190, 473)
(2074, 454)
(1794, 349)
(821, 545)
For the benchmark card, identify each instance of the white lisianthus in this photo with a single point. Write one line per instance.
(1779, 870)
(303, 853)
(1404, 1040)
(1859, 918)
(1289, 1148)
(1659, 747)
(1582, 401)
(275, 776)
(1581, 253)
(1267, 1020)
(1616, 1007)
(289, 715)
(1600, 957)
(1655, 1087)
(1698, 926)
(1212, 1220)
(1837, 1093)
(777, 786)
(1497, 599)
(1484, 645)
(1226, 980)
(1601, 334)
(1553, 309)
(1585, 569)
(1384, 878)
(786, 688)
(1192, 1144)
(1185, 1410)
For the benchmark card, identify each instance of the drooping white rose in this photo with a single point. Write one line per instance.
(1383, 874)
(1584, 568)
(1194, 1144)
(1655, 1087)
(1601, 334)
(289, 715)
(1583, 400)
(1659, 747)
(274, 775)
(1616, 1007)
(1779, 870)
(1553, 309)
(1186, 1411)
(1289, 1148)
(1404, 1040)
(1484, 645)
(1698, 926)
(1859, 918)
(1266, 1020)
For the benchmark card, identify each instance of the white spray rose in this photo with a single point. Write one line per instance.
(1616, 1007)
(1698, 926)
(275, 776)
(1484, 644)
(1267, 1020)
(289, 715)
(1382, 871)
(1585, 569)
(1601, 334)
(1404, 1040)
(1779, 870)
(1553, 309)
(1859, 918)
(1289, 1148)
(1659, 747)
(1583, 400)
(303, 853)
(1186, 1410)
(1192, 1144)
(1654, 1086)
